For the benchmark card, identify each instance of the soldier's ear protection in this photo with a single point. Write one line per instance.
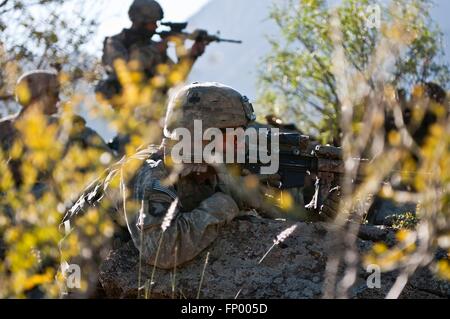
(248, 109)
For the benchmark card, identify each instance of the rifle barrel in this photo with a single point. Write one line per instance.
(190, 36)
(230, 41)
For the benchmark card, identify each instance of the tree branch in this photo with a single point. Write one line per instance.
(329, 77)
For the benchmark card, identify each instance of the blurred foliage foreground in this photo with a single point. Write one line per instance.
(363, 75)
(54, 173)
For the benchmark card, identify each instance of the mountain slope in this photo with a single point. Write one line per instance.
(235, 65)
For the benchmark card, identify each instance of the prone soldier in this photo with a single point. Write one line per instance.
(178, 211)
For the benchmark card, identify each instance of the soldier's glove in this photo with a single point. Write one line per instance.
(329, 209)
(199, 46)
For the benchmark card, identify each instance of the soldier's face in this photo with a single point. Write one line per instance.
(151, 26)
(51, 103)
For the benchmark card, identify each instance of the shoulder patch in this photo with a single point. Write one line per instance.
(148, 180)
(158, 209)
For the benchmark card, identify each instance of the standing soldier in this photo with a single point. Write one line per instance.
(135, 45)
(142, 56)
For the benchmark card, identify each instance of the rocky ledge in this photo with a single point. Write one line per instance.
(293, 269)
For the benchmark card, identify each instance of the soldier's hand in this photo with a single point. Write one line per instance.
(198, 48)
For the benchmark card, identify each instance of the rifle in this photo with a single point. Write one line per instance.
(177, 30)
(300, 157)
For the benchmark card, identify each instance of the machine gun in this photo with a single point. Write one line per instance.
(177, 30)
(300, 159)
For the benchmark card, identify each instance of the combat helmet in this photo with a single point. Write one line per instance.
(216, 105)
(142, 11)
(36, 84)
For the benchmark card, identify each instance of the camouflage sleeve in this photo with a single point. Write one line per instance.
(113, 49)
(189, 232)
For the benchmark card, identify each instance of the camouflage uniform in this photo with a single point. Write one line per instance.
(130, 46)
(205, 202)
(202, 209)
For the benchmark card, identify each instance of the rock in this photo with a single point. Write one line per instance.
(384, 211)
(376, 233)
(294, 269)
